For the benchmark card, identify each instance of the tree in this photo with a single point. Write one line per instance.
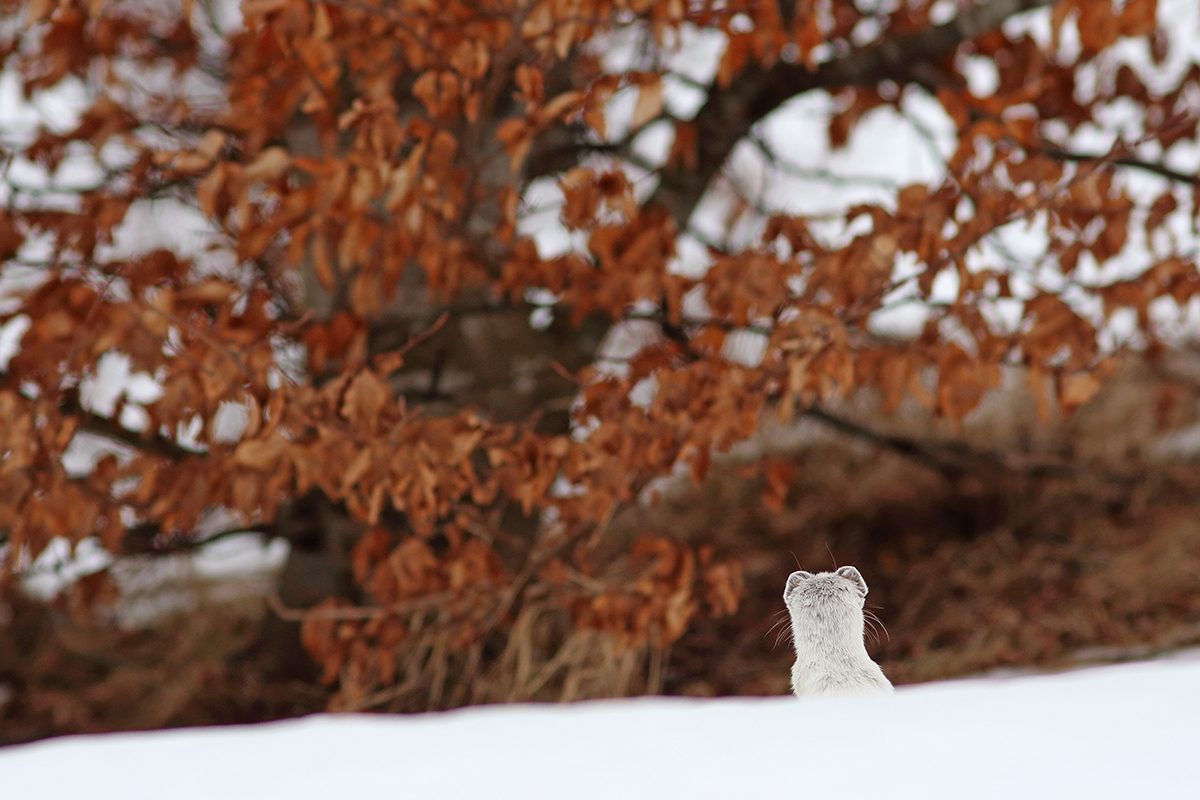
(377, 352)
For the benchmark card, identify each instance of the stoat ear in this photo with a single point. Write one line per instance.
(855, 577)
(793, 582)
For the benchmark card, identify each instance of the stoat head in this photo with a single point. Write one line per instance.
(805, 589)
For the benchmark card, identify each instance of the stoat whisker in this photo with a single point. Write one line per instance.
(876, 624)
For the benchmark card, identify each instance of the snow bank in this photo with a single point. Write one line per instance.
(1111, 732)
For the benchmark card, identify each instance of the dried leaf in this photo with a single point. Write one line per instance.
(270, 164)
(261, 453)
(1076, 390)
(649, 102)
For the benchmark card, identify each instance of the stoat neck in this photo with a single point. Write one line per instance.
(824, 635)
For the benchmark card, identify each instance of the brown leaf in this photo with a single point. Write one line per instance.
(649, 102)
(1138, 17)
(1039, 386)
(261, 453)
(724, 588)
(364, 399)
(1098, 25)
(1076, 390)
(555, 108)
(269, 165)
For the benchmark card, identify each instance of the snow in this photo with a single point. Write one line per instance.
(241, 565)
(1108, 732)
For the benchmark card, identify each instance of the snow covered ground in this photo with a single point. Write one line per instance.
(1111, 732)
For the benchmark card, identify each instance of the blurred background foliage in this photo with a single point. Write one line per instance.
(400, 356)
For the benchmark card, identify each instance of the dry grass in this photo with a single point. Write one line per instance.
(540, 657)
(188, 668)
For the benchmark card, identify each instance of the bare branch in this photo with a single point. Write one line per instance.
(151, 442)
(729, 112)
(1156, 168)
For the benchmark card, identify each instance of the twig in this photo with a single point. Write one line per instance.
(360, 612)
(955, 459)
(1124, 161)
(153, 442)
(910, 448)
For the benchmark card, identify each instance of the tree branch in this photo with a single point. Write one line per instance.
(954, 459)
(1125, 161)
(143, 539)
(902, 445)
(91, 422)
(151, 442)
(730, 112)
